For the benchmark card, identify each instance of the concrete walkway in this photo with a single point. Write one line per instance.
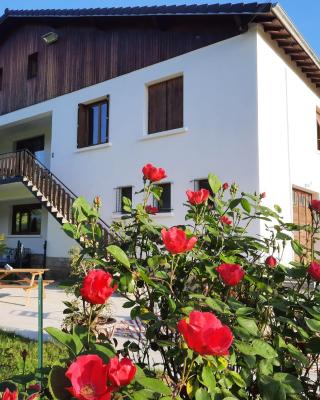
(20, 316)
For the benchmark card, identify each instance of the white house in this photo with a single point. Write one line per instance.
(95, 94)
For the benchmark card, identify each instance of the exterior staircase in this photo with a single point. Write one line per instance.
(22, 166)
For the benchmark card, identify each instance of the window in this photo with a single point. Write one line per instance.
(1, 78)
(35, 145)
(32, 65)
(164, 204)
(93, 123)
(165, 105)
(26, 219)
(202, 184)
(122, 192)
(318, 129)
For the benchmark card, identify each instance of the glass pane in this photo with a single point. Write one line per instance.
(35, 221)
(104, 123)
(94, 124)
(24, 219)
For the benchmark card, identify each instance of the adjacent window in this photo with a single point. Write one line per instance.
(32, 65)
(1, 78)
(318, 129)
(26, 219)
(165, 105)
(122, 192)
(202, 184)
(93, 123)
(164, 204)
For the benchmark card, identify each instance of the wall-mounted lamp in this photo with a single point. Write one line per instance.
(50, 37)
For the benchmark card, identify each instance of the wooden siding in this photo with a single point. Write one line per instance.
(87, 53)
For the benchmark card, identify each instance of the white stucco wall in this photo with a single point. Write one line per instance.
(287, 127)
(220, 109)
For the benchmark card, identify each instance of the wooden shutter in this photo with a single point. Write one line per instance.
(83, 126)
(157, 108)
(175, 103)
(165, 107)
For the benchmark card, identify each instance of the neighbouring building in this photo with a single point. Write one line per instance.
(87, 97)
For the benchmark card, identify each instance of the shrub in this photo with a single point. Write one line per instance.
(223, 317)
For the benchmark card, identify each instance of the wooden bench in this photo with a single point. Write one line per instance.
(23, 282)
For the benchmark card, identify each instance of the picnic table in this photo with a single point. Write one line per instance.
(27, 278)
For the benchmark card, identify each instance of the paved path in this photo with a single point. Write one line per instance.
(21, 317)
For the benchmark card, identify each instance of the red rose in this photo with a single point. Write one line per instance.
(225, 186)
(176, 240)
(263, 195)
(97, 287)
(315, 205)
(205, 334)
(120, 373)
(151, 210)
(231, 274)
(152, 173)
(7, 395)
(199, 197)
(88, 376)
(271, 261)
(314, 271)
(225, 220)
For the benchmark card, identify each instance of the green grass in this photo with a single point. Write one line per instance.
(11, 362)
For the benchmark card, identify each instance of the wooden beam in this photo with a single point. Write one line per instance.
(293, 49)
(276, 24)
(286, 42)
(312, 68)
(304, 63)
(299, 57)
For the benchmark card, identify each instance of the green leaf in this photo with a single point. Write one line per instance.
(271, 389)
(297, 247)
(58, 382)
(64, 338)
(208, 378)
(245, 348)
(237, 379)
(297, 354)
(119, 255)
(313, 345)
(105, 351)
(248, 324)
(142, 395)
(214, 182)
(313, 324)
(245, 205)
(218, 305)
(264, 349)
(202, 394)
(155, 385)
(290, 383)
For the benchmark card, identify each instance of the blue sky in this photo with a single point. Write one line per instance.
(304, 13)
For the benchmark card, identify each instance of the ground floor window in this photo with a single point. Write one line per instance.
(123, 192)
(164, 204)
(26, 219)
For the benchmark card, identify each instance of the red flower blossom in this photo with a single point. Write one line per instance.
(7, 395)
(36, 387)
(88, 376)
(231, 274)
(96, 287)
(152, 173)
(314, 271)
(271, 261)
(263, 195)
(225, 186)
(120, 373)
(151, 210)
(175, 240)
(199, 197)
(225, 220)
(205, 334)
(315, 205)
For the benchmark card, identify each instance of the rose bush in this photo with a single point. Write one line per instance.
(223, 317)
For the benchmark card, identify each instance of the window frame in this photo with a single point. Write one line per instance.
(33, 65)
(85, 126)
(157, 203)
(25, 208)
(119, 197)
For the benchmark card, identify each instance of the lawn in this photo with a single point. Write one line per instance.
(11, 361)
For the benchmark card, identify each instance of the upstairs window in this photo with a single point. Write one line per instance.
(1, 78)
(93, 123)
(165, 105)
(164, 204)
(26, 219)
(318, 129)
(122, 192)
(32, 65)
